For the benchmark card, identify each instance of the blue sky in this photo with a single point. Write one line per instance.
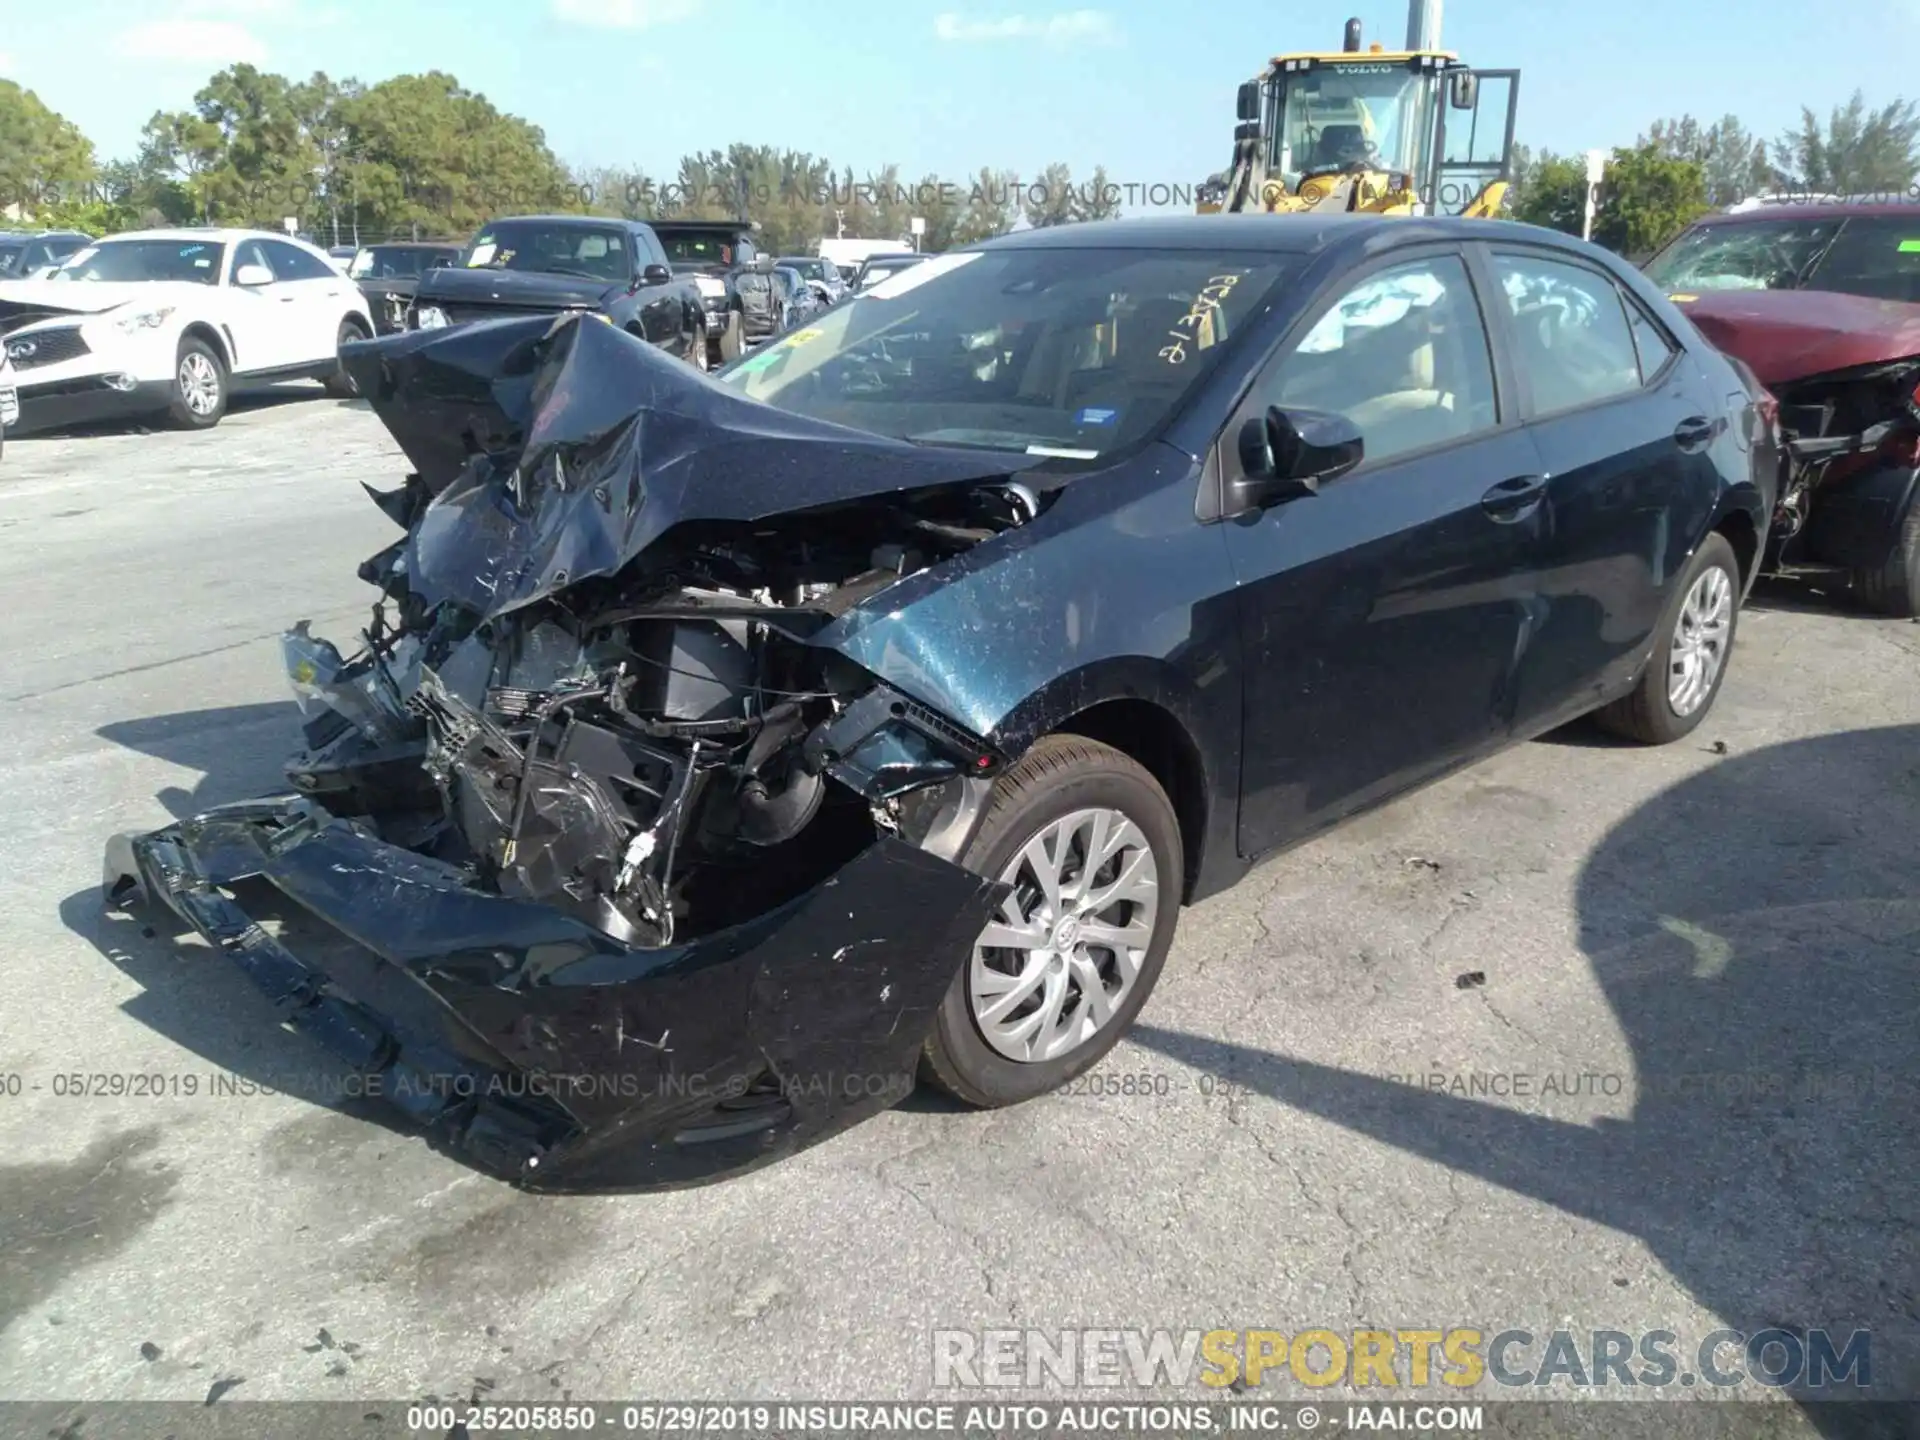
(950, 85)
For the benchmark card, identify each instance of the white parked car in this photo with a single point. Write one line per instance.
(9, 399)
(172, 322)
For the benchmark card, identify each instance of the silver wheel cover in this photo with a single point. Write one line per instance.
(199, 383)
(1055, 966)
(1700, 634)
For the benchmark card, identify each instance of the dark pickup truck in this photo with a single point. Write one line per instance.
(717, 254)
(389, 274)
(552, 264)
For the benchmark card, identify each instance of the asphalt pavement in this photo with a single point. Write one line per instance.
(1590, 1037)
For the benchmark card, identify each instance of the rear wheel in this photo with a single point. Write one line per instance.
(199, 396)
(697, 348)
(1894, 589)
(340, 384)
(1683, 676)
(1091, 846)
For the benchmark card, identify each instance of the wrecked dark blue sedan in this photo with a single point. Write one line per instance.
(728, 753)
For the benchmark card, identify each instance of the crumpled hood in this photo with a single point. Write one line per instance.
(1789, 335)
(514, 287)
(558, 450)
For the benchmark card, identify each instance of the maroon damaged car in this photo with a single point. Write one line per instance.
(1822, 301)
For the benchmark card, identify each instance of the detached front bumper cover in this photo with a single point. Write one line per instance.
(542, 1051)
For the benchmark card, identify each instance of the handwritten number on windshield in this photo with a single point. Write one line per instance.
(1187, 327)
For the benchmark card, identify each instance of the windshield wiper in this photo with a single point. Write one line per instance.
(578, 274)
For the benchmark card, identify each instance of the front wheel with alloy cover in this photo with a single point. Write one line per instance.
(1090, 845)
(199, 396)
(1689, 660)
(697, 352)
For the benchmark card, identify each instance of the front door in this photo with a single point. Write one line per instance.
(256, 316)
(1380, 618)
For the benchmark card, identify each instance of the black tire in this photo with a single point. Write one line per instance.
(1894, 589)
(698, 353)
(340, 384)
(1645, 713)
(191, 357)
(1061, 774)
(732, 339)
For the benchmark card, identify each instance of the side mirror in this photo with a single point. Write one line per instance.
(656, 274)
(1466, 90)
(1247, 104)
(252, 277)
(1286, 455)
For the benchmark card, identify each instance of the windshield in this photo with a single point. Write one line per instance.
(878, 270)
(700, 247)
(145, 260)
(1743, 255)
(1332, 117)
(1074, 354)
(586, 251)
(393, 262)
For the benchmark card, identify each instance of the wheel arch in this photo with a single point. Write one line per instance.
(205, 332)
(1150, 713)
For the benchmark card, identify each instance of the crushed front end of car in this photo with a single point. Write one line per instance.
(640, 879)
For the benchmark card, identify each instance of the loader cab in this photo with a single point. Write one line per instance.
(1427, 123)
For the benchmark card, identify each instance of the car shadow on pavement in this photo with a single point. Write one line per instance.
(240, 403)
(238, 751)
(1756, 930)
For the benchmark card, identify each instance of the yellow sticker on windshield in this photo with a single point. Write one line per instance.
(1682, 299)
(801, 337)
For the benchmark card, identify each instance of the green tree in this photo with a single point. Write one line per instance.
(44, 159)
(993, 204)
(1857, 151)
(426, 155)
(1646, 198)
(1734, 161)
(1099, 198)
(178, 152)
(1552, 193)
(1048, 199)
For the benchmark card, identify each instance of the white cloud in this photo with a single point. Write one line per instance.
(1067, 27)
(212, 43)
(624, 14)
(249, 9)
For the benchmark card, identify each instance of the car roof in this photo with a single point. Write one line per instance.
(1803, 209)
(212, 232)
(738, 225)
(614, 220)
(42, 234)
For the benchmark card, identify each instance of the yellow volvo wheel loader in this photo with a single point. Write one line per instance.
(1408, 132)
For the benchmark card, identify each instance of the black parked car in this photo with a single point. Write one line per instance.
(388, 275)
(872, 708)
(876, 268)
(797, 301)
(26, 255)
(552, 264)
(717, 254)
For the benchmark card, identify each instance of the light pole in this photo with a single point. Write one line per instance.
(1596, 167)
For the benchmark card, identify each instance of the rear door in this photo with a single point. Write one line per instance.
(313, 297)
(1624, 424)
(1380, 618)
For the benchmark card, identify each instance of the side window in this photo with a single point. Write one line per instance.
(654, 253)
(290, 262)
(251, 253)
(1403, 355)
(1653, 347)
(1570, 329)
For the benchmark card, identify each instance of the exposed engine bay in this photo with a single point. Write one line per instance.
(661, 751)
(1838, 426)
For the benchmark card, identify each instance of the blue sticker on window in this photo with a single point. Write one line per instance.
(1095, 415)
